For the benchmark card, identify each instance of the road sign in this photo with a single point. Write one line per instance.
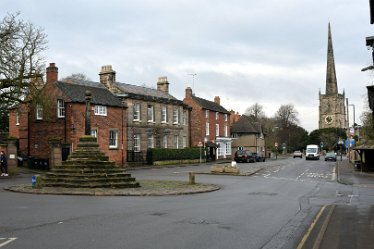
(276, 144)
(352, 131)
(200, 144)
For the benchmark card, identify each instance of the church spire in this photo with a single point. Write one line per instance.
(331, 83)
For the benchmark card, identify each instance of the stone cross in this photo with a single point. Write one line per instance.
(87, 127)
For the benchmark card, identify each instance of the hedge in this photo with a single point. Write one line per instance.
(155, 154)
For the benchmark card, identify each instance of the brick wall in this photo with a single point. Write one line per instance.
(69, 129)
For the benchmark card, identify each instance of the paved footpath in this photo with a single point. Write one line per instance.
(347, 226)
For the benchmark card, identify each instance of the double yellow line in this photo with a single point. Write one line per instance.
(321, 232)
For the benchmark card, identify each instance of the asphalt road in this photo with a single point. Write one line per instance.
(273, 208)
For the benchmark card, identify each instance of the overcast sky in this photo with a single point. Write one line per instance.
(270, 52)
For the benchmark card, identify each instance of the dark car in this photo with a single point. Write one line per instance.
(244, 156)
(330, 156)
(259, 157)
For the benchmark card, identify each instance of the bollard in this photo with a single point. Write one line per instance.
(191, 178)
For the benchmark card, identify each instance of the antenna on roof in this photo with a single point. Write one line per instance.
(193, 80)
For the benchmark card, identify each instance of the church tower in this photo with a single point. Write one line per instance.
(332, 109)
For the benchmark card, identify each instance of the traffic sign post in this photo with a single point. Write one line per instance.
(200, 144)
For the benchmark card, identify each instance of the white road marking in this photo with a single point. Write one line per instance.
(333, 177)
(7, 241)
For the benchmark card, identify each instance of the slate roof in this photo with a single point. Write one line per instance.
(210, 105)
(245, 125)
(143, 91)
(100, 94)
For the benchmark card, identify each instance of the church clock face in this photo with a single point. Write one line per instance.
(328, 119)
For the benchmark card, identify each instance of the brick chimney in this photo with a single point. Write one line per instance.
(163, 84)
(107, 76)
(52, 73)
(188, 93)
(217, 100)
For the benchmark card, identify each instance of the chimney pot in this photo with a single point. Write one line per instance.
(163, 84)
(52, 73)
(188, 92)
(217, 100)
(107, 77)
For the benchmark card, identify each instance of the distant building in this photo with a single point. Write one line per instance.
(247, 135)
(332, 108)
(210, 125)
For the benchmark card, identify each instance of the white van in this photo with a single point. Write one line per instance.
(312, 152)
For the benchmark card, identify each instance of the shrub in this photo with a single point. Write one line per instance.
(154, 154)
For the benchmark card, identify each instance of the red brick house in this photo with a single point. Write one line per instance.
(60, 114)
(210, 125)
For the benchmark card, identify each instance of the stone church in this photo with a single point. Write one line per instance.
(332, 108)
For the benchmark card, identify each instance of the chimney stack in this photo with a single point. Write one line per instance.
(217, 100)
(52, 73)
(163, 84)
(107, 77)
(188, 92)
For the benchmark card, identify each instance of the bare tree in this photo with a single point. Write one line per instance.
(287, 116)
(21, 60)
(256, 112)
(76, 77)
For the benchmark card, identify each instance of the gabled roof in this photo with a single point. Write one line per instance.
(245, 125)
(100, 94)
(209, 105)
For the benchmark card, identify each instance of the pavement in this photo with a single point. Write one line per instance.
(349, 175)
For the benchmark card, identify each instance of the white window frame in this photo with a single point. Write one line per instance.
(217, 130)
(176, 141)
(164, 114)
(185, 117)
(165, 141)
(151, 113)
(217, 115)
(94, 132)
(60, 108)
(101, 110)
(226, 131)
(226, 117)
(17, 118)
(228, 148)
(136, 112)
(175, 115)
(39, 112)
(151, 141)
(207, 114)
(136, 142)
(207, 128)
(113, 139)
(184, 142)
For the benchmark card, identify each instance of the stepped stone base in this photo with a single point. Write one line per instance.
(88, 167)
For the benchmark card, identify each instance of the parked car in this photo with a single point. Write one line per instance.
(330, 156)
(298, 153)
(244, 156)
(259, 157)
